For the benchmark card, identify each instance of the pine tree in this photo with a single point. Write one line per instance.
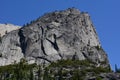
(60, 74)
(45, 76)
(116, 69)
(39, 72)
(31, 74)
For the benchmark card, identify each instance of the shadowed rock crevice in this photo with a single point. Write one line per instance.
(43, 48)
(54, 36)
(42, 30)
(23, 43)
(42, 39)
(43, 58)
(55, 45)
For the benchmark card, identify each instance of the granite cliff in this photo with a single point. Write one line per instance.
(64, 45)
(67, 34)
(6, 28)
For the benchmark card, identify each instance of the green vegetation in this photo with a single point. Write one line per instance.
(99, 78)
(98, 47)
(18, 71)
(117, 70)
(78, 69)
(68, 62)
(59, 70)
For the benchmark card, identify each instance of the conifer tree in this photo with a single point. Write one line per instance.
(39, 72)
(45, 76)
(31, 74)
(116, 69)
(60, 74)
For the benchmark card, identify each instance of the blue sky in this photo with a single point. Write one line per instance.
(105, 15)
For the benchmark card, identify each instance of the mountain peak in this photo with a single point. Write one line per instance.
(66, 34)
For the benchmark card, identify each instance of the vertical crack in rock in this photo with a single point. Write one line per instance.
(42, 30)
(74, 29)
(23, 43)
(42, 46)
(54, 44)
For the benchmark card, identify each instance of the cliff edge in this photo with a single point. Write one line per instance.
(67, 34)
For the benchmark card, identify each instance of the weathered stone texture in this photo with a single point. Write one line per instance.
(54, 36)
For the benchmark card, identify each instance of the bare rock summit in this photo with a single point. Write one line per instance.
(6, 28)
(66, 34)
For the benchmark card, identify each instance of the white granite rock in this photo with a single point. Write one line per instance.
(58, 35)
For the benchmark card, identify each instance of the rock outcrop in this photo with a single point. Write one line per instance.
(67, 34)
(6, 28)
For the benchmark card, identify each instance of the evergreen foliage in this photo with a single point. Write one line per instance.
(117, 70)
(60, 70)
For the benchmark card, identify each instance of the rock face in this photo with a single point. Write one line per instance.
(6, 28)
(67, 34)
